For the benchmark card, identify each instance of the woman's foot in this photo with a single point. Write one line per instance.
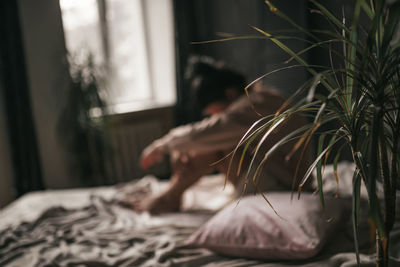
(156, 204)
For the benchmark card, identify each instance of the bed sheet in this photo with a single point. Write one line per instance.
(87, 227)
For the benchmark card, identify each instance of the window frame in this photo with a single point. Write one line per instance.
(158, 21)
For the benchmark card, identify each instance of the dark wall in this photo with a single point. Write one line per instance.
(318, 22)
(252, 57)
(214, 19)
(203, 20)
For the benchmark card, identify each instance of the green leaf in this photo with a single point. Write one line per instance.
(330, 16)
(367, 9)
(391, 25)
(276, 11)
(351, 60)
(311, 92)
(281, 142)
(287, 50)
(312, 167)
(277, 121)
(335, 163)
(355, 210)
(375, 213)
(266, 199)
(248, 138)
(234, 38)
(319, 170)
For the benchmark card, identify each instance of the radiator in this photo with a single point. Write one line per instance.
(129, 134)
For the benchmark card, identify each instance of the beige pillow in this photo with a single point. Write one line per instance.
(251, 229)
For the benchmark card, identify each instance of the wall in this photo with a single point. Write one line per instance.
(204, 20)
(216, 19)
(130, 133)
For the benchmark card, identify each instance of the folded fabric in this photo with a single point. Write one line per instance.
(250, 228)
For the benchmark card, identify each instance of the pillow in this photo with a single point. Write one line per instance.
(251, 228)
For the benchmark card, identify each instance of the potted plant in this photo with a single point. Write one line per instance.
(362, 95)
(83, 124)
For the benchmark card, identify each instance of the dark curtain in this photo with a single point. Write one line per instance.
(15, 91)
(185, 32)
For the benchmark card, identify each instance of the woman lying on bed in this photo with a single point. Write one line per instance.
(193, 148)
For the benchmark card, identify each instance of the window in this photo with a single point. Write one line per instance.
(133, 40)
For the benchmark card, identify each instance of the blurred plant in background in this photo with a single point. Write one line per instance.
(83, 124)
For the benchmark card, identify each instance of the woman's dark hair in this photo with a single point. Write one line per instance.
(209, 81)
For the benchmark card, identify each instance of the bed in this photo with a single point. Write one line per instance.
(88, 227)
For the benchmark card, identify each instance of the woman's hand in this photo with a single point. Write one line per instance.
(150, 156)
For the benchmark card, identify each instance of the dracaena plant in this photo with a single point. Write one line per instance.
(362, 94)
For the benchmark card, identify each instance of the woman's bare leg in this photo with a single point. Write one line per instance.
(187, 171)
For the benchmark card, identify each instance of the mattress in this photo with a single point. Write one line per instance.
(88, 227)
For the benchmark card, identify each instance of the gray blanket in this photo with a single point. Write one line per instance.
(100, 232)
